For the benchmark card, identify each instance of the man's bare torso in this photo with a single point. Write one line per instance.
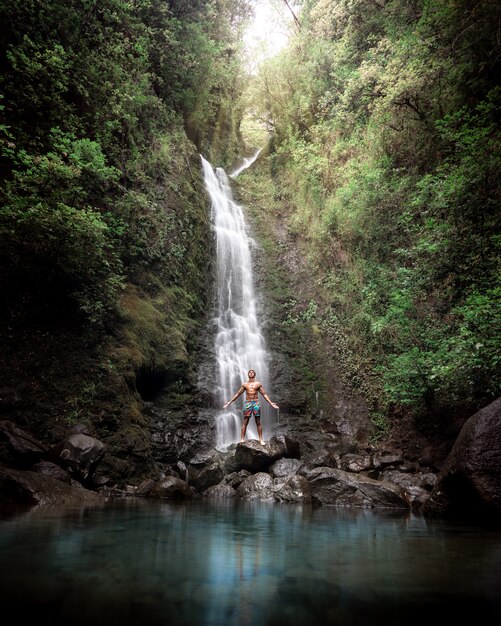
(252, 391)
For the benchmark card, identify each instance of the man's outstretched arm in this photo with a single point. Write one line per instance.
(239, 393)
(266, 397)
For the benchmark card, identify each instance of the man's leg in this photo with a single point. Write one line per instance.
(244, 428)
(259, 429)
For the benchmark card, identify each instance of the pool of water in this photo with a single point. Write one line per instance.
(249, 564)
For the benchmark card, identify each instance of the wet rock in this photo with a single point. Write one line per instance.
(293, 489)
(235, 479)
(356, 462)
(146, 487)
(27, 487)
(256, 457)
(205, 469)
(336, 487)
(412, 484)
(321, 458)
(80, 454)
(284, 467)
(52, 469)
(222, 491)
(385, 459)
(258, 486)
(172, 488)
(19, 448)
(469, 484)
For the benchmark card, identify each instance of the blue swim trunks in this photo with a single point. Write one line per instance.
(252, 407)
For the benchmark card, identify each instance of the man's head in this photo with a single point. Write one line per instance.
(251, 374)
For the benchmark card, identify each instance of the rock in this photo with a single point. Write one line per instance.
(256, 457)
(356, 462)
(146, 487)
(27, 487)
(80, 454)
(469, 483)
(205, 469)
(17, 447)
(294, 489)
(385, 459)
(412, 484)
(322, 458)
(331, 486)
(222, 491)
(172, 488)
(52, 469)
(284, 467)
(235, 479)
(259, 486)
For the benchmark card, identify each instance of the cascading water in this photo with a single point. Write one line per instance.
(239, 343)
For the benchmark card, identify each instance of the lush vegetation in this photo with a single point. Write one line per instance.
(104, 228)
(386, 155)
(96, 98)
(384, 117)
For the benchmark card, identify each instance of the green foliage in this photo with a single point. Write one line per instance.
(386, 156)
(97, 179)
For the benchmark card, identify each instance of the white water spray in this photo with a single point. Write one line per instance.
(247, 162)
(239, 343)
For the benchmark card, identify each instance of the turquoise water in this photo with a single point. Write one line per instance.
(247, 564)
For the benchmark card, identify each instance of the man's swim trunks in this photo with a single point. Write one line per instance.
(252, 407)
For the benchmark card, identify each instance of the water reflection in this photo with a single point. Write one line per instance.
(244, 564)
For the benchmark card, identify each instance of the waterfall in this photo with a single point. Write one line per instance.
(239, 343)
(246, 162)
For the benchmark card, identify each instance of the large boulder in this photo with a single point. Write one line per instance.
(172, 488)
(256, 457)
(469, 483)
(80, 454)
(32, 488)
(19, 448)
(331, 486)
(205, 470)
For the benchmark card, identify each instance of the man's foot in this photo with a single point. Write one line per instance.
(262, 442)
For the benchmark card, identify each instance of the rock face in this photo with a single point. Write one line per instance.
(255, 457)
(32, 475)
(17, 447)
(336, 487)
(31, 488)
(80, 453)
(469, 484)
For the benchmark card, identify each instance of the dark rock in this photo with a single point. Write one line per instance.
(336, 487)
(235, 479)
(291, 448)
(206, 469)
(412, 484)
(80, 454)
(257, 487)
(145, 488)
(328, 457)
(284, 467)
(293, 489)
(221, 491)
(172, 488)
(27, 487)
(356, 462)
(469, 484)
(52, 469)
(256, 457)
(385, 459)
(17, 447)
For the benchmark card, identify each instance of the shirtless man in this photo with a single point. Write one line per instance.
(252, 388)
